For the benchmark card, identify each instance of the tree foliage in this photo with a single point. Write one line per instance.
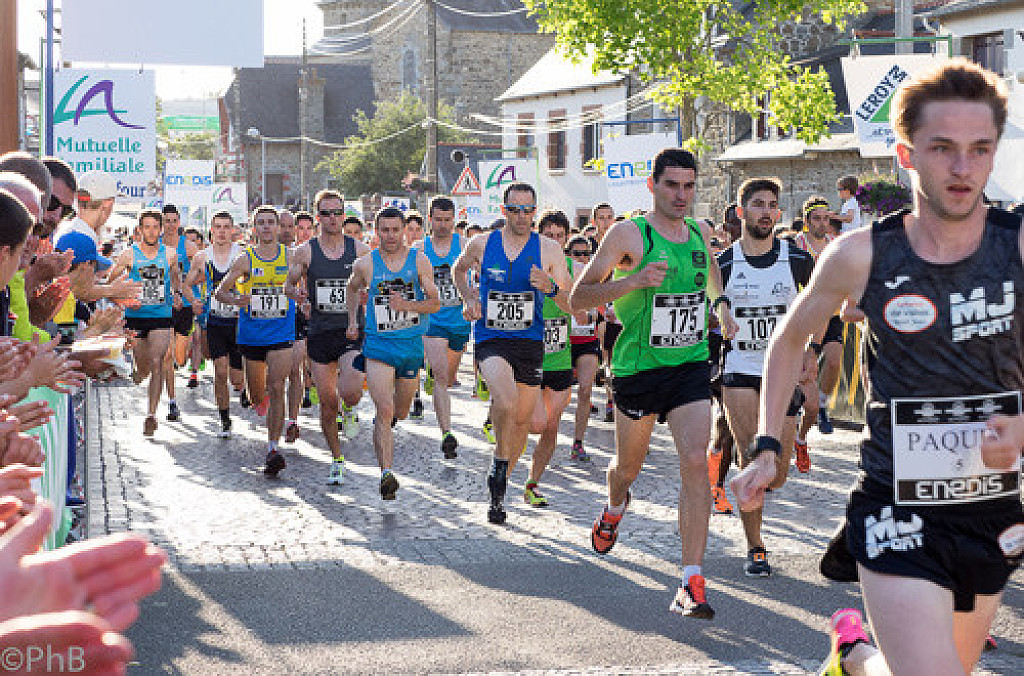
(728, 52)
(375, 166)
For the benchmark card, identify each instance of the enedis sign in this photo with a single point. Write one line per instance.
(107, 120)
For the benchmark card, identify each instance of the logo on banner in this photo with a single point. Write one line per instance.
(104, 87)
(223, 195)
(875, 106)
(502, 174)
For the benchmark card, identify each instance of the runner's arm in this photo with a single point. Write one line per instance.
(467, 261)
(226, 289)
(716, 287)
(356, 283)
(595, 288)
(172, 265)
(296, 271)
(196, 274)
(432, 302)
(555, 266)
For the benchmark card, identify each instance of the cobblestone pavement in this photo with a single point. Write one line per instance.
(207, 502)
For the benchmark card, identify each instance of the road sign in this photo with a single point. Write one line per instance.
(466, 184)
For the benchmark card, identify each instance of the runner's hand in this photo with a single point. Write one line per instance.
(399, 303)
(541, 280)
(748, 486)
(729, 326)
(1001, 445)
(651, 276)
(352, 333)
(851, 313)
(471, 310)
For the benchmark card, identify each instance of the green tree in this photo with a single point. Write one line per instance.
(371, 164)
(709, 48)
(193, 146)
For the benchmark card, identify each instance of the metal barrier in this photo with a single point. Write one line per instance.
(847, 400)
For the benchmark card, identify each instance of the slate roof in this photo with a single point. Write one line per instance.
(962, 6)
(520, 22)
(269, 97)
(554, 73)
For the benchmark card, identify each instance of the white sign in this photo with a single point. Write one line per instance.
(496, 175)
(401, 203)
(185, 32)
(188, 183)
(629, 160)
(232, 198)
(354, 208)
(1007, 180)
(106, 119)
(466, 184)
(871, 84)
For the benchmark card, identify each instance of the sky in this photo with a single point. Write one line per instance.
(282, 35)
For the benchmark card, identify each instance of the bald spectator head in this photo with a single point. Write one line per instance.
(32, 168)
(26, 193)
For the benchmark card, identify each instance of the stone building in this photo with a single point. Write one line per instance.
(483, 46)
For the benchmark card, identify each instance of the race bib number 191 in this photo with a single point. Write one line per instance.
(268, 302)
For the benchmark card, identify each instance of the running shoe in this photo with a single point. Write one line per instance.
(578, 453)
(149, 426)
(428, 382)
(275, 463)
(243, 399)
(714, 465)
(225, 430)
(803, 459)
(482, 393)
(824, 421)
(532, 496)
(417, 409)
(173, 412)
(202, 364)
(847, 629)
(388, 486)
(609, 413)
(261, 408)
(757, 563)
(990, 643)
(291, 433)
(496, 510)
(314, 396)
(193, 381)
(306, 401)
(719, 502)
(691, 600)
(606, 529)
(335, 478)
(448, 445)
(489, 432)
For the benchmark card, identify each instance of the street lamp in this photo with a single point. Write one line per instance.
(254, 133)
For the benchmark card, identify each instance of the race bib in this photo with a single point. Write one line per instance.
(153, 286)
(757, 323)
(936, 450)
(677, 319)
(556, 334)
(330, 295)
(585, 330)
(225, 310)
(509, 311)
(391, 320)
(268, 302)
(446, 287)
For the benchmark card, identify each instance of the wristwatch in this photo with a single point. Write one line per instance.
(762, 443)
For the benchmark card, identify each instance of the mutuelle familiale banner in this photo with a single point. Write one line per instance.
(106, 119)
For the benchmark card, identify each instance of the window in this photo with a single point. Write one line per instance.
(409, 81)
(524, 139)
(590, 146)
(556, 140)
(988, 51)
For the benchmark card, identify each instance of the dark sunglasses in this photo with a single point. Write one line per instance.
(66, 210)
(579, 252)
(332, 212)
(520, 208)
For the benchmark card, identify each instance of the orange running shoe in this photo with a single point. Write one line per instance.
(720, 503)
(261, 408)
(803, 460)
(606, 529)
(691, 600)
(714, 465)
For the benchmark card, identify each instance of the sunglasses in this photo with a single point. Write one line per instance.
(332, 212)
(520, 208)
(66, 210)
(579, 252)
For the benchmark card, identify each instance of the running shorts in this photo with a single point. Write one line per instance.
(754, 383)
(143, 325)
(834, 331)
(662, 390)
(221, 342)
(581, 349)
(405, 355)
(559, 381)
(329, 346)
(526, 357)
(456, 339)
(182, 318)
(260, 352)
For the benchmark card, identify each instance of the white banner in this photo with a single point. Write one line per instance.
(106, 119)
(628, 162)
(232, 198)
(495, 176)
(401, 203)
(871, 83)
(188, 183)
(185, 32)
(1007, 180)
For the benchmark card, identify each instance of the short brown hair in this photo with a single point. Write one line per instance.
(849, 184)
(752, 185)
(324, 194)
(957, 79)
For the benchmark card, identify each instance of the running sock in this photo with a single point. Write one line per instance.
(172, 402)
(385, 472)
(690, 571)
(616, 510)
(225, 415)
(531, 485)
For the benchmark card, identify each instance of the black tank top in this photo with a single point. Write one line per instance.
(326, 280)
(942, 354)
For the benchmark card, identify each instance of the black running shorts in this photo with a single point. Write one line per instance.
(754, 383)
(559, 381)
(143, 325)
(834, 331)
(662, 390)
(581, 349)
(182, 319)
(963, 553)
(220, 340)
(328, 347)
(259, 352)
(526, 357)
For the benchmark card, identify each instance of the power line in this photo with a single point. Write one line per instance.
(404, 17)
(483, 15)
(359, 22)
(408, 16)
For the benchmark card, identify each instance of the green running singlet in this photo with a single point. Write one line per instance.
(557, 329)
(664, 326)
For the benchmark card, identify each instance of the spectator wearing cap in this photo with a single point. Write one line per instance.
(96, 193)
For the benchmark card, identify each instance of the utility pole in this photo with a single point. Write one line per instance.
(303, 118)
(432, 94)
(9, 94)
(904, 25)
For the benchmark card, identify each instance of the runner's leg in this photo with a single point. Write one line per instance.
(325, 377)
(586, 373)
(691, 429)
(279, 363)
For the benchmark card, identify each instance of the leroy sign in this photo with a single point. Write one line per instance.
(106, 119)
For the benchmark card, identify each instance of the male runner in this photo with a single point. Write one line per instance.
(401, 290)
(936, 533)
(305, 229)
(518, 268)
(556, 385)
(586, 352)
(325, 263)
(182, 318)
(761, 275)
(209, 267)
(296, 388)
(446, 337)
(153, 265)
(266, 323)
(414, 232)
(662, 275)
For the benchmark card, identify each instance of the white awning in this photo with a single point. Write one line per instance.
(789, 149)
